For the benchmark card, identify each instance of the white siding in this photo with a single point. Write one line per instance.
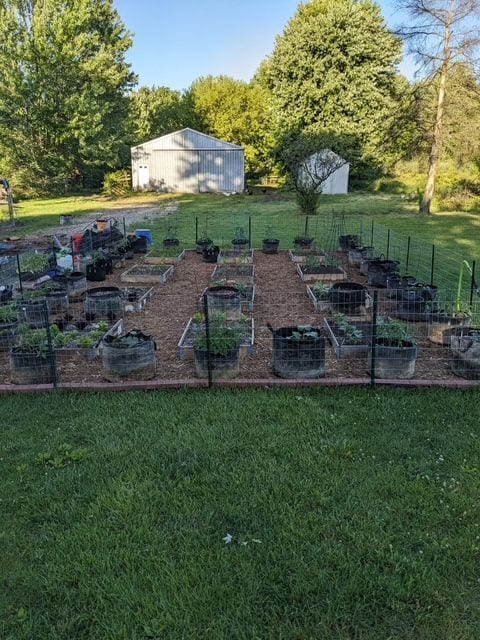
(190, 162)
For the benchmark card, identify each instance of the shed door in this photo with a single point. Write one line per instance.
(143, 176)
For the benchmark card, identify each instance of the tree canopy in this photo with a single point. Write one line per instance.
(63, 90)
(334, 69)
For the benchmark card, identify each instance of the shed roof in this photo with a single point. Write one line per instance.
(187, 139)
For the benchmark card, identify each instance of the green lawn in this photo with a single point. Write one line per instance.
(456, 235)
(354, 514)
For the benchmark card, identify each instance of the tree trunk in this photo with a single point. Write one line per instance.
(436, 149)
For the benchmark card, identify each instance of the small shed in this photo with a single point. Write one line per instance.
(335, 169)
(188, 161)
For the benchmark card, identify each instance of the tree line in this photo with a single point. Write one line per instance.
(71, 108)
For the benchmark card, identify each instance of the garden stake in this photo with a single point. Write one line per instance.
(207, 335)
(433, 264)
(51, 352)
(407, 259)
(374, 338)
(473, 284)
(19, 274)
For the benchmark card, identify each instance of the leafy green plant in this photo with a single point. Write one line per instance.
(223, 340)
(64, 454)
(304, 332)
(86, 342)
(270, 235)
(393, 331)
(311, 262)
(351, 333)
(34, 262)
(240, 235)
(33, 341)
(198, 318)
(8, 313)
(171, 232)
(321, 290)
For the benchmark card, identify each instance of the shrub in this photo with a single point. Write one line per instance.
(117, 183)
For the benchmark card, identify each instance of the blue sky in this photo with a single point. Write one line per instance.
(178, 41)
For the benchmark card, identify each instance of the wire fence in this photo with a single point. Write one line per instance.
(346, 301)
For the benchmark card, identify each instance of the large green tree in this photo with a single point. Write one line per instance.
(63, 91)
(237, 112)
(156, 111)
(334, 69)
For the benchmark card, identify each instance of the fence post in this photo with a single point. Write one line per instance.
(407, 259)
(361, 229)
(124, 232)
(249, 232)
(371, 234)
(433, 264)
(388, 243)
(19, 274)
(373, 345)
(207, 335)
(51, 351)
(472, 283)
(196, 229)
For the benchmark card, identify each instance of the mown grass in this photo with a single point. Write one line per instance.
(354, 514)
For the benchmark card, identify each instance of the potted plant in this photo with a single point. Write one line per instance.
(171, 240)
(298, 352)
(303, 242)
(8, 326)
(240, 239)
(222, 299)
(394, 352)
(348, 297)
(96, 269)
(223, 355)
(31, 361)
(128, 357)
(270, 242)
(33, 265)
(465, 346)
(33, 308)
(203, 241)
(379, 269)
(56, 297)
(210, 253)
(349, 339)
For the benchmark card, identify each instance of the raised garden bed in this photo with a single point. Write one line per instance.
(343, 345)
(94, 333)
(136, 298)
(322, 304)
(320, 272)
(187, 341)
(228, 256)
(300, 255)
(167, 256)
(238, 273)
(156, 274)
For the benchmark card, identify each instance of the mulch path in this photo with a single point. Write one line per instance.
(281, 300)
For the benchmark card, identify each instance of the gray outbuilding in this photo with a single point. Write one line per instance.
(188, 161)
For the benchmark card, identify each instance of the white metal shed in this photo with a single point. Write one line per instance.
(334, 167)
(188, 161)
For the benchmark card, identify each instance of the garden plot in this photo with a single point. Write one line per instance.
(196, 326)
(151, 273)
(164, 256)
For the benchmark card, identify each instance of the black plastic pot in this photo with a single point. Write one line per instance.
(31, 368)
(347, 297)
(223, 366)
(135, 362)
(202, 244)
(8, 335)
(140, 245)
(104, 303)
(270, 246)
(303, 242)
(170, 243)
(239, 244)
(57, 301)
(393, 361)
(465, 348)
(411, 306)
(302, 359)
(379, 270)
(210, 254)
(396, 283)
(357, 254)
(96, 272)
(34, 312)
(427, 291)
(6, 293)
(348, 242)
(224, 300)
